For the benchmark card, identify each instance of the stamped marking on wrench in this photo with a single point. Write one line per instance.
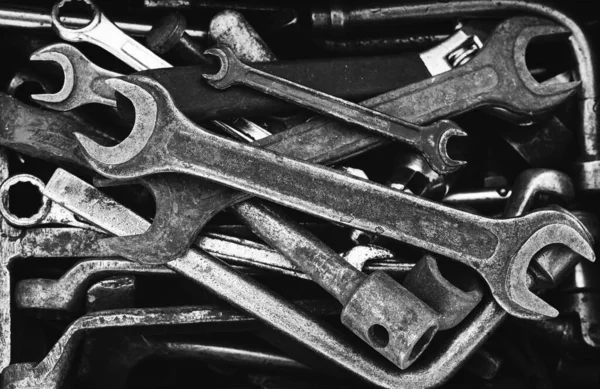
(431, 140)
(165, 141)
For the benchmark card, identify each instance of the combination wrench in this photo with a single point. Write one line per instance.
(164, 141)
(431, 140)
(183, 208)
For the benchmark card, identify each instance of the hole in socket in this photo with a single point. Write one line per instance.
(379, 335)
(24, 200)
(421, 344)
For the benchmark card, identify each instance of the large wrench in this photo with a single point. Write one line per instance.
(431, 140)
(182, 209)
(164, 141)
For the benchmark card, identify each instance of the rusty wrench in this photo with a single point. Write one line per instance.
(163, 140)
(430, 140)
(325, 141)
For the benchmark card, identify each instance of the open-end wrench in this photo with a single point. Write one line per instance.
(83, 80)
(165, 141)
(182, 209)
(431, 140)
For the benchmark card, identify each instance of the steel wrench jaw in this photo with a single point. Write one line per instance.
(74, 34)
(55, 100)
(146, 114)
(230, 69)
(516, 89)
(508, 280)
(435, 145)
(82, 79)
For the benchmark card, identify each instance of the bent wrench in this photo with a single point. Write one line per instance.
(430, 140)
(164, 141)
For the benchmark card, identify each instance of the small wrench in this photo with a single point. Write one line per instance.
(164, 141)
(83, 80)
(430, 140)
(102, 32)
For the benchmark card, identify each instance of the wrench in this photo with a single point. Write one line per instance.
(102, 32)
(83, 80)
(163, 140)
(182, 210)
(430, 140)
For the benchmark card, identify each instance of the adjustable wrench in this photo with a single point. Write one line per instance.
(431, 140)
(183, 208)
(163, 140)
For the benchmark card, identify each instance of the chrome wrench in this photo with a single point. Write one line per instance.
(164, 141)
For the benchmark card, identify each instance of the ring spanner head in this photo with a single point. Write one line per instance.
(83, 80)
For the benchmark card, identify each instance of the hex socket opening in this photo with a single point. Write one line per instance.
(378, 335)
(421, 344)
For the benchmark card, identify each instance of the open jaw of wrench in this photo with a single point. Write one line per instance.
(83, 80)
(182, 210)
(165, 141)
(102, 32)
(431, 140)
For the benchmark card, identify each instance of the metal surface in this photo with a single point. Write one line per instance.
(163, 140)
(586, 169)
(102, 32)
(230, 26)
(169, 35)
(41, 19)
(453, 300)
(430, 140)
(434, 370)
(48, 213)
(318, 140)
(83, 81)
(51, 372)
(376, 308)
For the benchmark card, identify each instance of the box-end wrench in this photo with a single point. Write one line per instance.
(325, 141)
(164, 141)
(431, 140)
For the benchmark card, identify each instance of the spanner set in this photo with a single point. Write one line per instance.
(294, 195)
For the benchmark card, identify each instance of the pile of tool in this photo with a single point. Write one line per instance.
(288, 195)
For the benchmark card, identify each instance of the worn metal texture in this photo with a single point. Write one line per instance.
(376, 308)
(452, 298)
(52, 370)
(163, 140)
(231, 26)
(435, 369)
(83, 80)
(26, 126)
(318, 140)
(430, 140)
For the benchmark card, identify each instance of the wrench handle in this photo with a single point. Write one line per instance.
(323, 103)
(330, 194)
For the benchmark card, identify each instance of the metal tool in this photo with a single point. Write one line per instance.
(102, 32)
(452, 297)
(376, 308)
(451, 355)
(430, 140)
(41, 19)
(84, 81)
(163, 140)
(48, 213)
(52, 370)
(319, 141)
